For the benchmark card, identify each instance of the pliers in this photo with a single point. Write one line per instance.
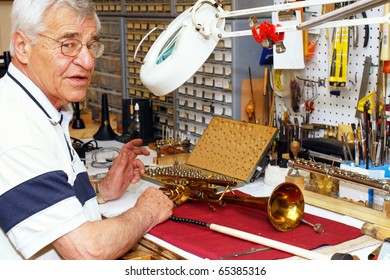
(356, 33)
(366, 31)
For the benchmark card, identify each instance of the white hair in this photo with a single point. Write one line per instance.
(28, 15)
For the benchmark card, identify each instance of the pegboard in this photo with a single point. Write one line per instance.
(231, 147)
(336, 109)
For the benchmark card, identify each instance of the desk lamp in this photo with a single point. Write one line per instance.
(189, 39)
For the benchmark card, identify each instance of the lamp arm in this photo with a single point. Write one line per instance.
(203, 30)
(335, 18)
(274, 8)
(337, 23)
(342, 13)
(323, 21)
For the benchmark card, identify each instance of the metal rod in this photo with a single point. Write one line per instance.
(338, 173)
(275, 8)
(344, 12)
(318, 228)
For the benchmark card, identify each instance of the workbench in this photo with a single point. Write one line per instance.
(152, 247)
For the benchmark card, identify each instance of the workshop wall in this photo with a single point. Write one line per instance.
(334, 106)
(5, 25)
(214, 90)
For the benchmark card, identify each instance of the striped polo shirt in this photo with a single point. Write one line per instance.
(44, 187)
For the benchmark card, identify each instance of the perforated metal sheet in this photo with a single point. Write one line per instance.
(232, 148)
(332, 109)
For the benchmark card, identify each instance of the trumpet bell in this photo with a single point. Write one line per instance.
(285, 207)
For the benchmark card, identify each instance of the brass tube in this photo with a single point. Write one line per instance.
(338, 173)
(211, 181)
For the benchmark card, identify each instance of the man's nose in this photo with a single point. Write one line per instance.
(85, 57)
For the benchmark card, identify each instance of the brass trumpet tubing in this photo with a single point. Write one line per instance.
(209, 181)
(284, 207)
(207, 189)
(338, 173)
(254, 202)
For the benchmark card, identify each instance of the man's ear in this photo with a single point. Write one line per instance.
(22, 46)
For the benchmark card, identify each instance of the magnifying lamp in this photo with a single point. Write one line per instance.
(188, 40)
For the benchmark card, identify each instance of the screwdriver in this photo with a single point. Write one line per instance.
(247, 252)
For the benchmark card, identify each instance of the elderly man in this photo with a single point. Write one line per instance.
(48, 208)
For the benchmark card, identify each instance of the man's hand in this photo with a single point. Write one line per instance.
(154, 204)
(126, 169)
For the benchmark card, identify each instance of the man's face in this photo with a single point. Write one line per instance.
(62, 78)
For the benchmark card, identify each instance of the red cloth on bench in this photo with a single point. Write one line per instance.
(206, 243)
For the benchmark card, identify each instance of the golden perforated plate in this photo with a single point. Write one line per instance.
(232, 148)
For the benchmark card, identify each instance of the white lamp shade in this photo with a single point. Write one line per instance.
(180, 51)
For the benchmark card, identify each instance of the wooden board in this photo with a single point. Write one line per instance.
(232, 148)
(347, 208)
(149, 250)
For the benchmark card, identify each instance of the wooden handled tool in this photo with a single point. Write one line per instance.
(297, 251)
(250, 108)
(295, 147)
(376, 231)
(310, 255)
(385, 49)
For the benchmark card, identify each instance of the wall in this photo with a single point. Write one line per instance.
(5, 25)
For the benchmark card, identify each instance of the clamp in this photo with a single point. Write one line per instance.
(266, 34)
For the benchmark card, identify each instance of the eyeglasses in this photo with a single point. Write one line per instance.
(72, 47)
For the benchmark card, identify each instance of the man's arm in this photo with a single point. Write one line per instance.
(112, 238)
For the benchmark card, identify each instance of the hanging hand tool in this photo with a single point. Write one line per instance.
(250, 108)
(339, 60)
(364, 83)
(271, 98)
(382, 85)
(385, 47)
(344, 57)
(265, 94)
(339, 56)
(366, 31)
(356, 32)
(295, 92)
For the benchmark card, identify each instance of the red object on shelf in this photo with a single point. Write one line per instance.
(267, 31)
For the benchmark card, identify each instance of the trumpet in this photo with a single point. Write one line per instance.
(285, 205)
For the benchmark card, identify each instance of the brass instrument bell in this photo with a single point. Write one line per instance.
(286, 206)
